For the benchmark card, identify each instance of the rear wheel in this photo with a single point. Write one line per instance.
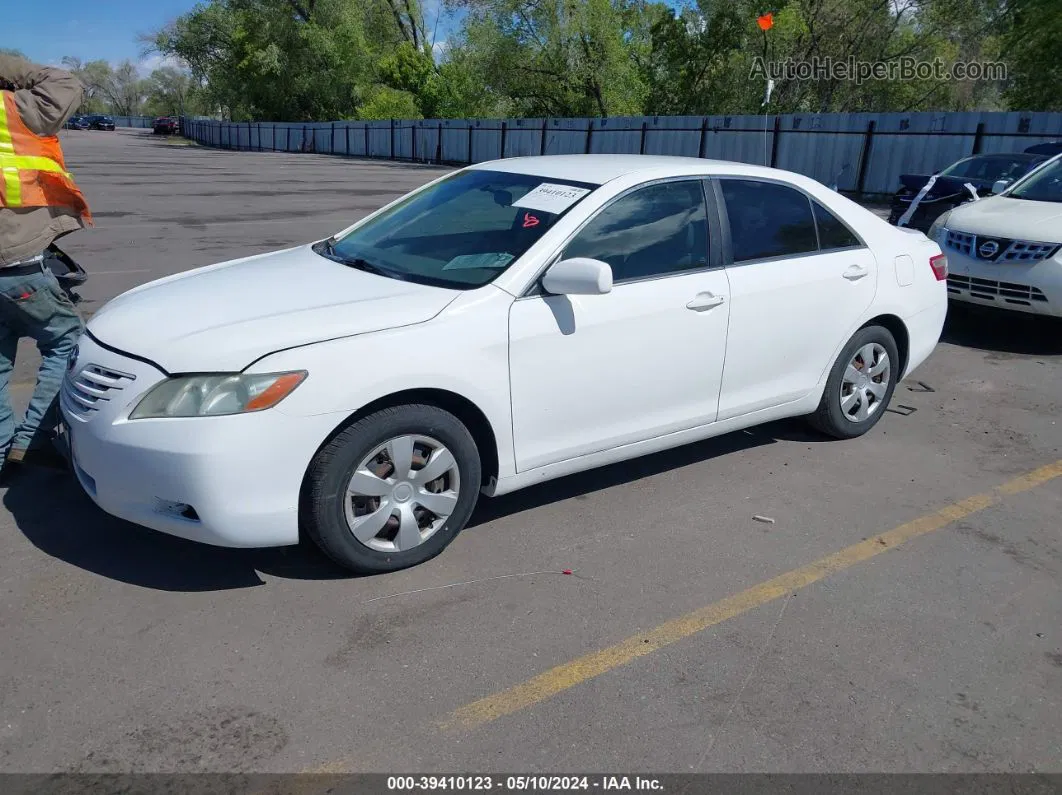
(860, 385)
(393, 489)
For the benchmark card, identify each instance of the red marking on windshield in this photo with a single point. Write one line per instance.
(529, 220)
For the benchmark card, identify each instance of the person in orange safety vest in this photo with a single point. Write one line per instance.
(39, 202)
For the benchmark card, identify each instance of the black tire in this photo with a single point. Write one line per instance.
(322, 513)
(830, 418)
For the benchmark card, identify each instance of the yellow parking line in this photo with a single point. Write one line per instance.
(563, 677)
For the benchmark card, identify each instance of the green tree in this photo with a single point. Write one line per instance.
(384, 102)
(119, 91)
(559, 57)
(1032, 47)
(172, 92)
(704, 59)
(301, 60)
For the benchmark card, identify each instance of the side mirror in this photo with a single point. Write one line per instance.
(578, 276)
(1000, 185)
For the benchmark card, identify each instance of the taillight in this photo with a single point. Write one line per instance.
(939, 264)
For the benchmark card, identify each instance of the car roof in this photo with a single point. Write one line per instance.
(1008, 155)
(599, 169)
(1049, 148)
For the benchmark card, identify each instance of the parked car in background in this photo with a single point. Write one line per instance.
(524, 319)
(1006, 251)
(77, 123)
(1049, 149)
(100, 123)
(166, 125)
(949, 188)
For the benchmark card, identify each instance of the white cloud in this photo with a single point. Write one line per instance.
(150, 63)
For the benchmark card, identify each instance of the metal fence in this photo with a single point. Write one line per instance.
(860, 153)
(133, 121)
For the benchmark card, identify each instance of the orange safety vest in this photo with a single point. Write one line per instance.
(33, 171)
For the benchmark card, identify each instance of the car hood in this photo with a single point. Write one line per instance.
(944, 186)
(1016, 219)
(223, 317)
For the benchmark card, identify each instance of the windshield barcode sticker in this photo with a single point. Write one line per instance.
(478, 261)
(551, 198)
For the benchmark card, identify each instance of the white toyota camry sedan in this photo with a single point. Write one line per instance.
(509, 323)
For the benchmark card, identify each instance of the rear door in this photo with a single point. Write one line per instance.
(800, 279)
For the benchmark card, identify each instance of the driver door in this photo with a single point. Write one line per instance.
(590, 373)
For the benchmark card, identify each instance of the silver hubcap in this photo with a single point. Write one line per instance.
(865, 382)
(402, 493)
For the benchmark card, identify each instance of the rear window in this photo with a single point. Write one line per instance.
(989, 168)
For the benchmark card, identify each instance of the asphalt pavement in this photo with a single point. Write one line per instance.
(899, 613)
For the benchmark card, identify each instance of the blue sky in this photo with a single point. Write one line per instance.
(46, 30)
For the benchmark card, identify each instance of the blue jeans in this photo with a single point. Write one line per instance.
(32, 304)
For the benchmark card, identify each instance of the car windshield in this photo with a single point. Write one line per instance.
(460, 233)
(1044, 185)
(989, 168)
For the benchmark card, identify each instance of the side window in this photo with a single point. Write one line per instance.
(832, 233)
(654, 231)
(768, 220)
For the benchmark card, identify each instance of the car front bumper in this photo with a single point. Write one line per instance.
(229, 481)
(1034, 288)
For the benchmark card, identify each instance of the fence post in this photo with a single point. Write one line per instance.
(641, 146)
(287, 145)
(392, 139)
(589, 135)
(346, 134)
(864, 156)
(545, 125)
(501, 149)
(774, 141)
(302, 148)
(413, 142)
(438, 145)
(470, 140)
(704, 130)
(979, 138)
(367, 139)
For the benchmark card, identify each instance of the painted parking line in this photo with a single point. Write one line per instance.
(568, 675)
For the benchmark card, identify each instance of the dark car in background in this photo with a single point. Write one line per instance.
(950, 189)
(100, 123)
(77, 123)
(1049, 149)
(166, 125)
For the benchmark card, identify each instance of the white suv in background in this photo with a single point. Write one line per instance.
(1006, 250)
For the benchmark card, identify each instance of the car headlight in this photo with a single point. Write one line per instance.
(216, 395)
(938, 227)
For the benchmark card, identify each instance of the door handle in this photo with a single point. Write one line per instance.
(705, 301)
(855, 273)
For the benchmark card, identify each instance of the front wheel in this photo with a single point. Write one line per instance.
(860, 385)
(392, 489)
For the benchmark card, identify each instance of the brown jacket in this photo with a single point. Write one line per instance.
(45, 98)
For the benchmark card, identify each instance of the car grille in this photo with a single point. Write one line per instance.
(84, 391)
(961, 242)
(999, 249)
(1007, 292)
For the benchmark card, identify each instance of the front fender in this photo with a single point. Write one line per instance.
(465, 350)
